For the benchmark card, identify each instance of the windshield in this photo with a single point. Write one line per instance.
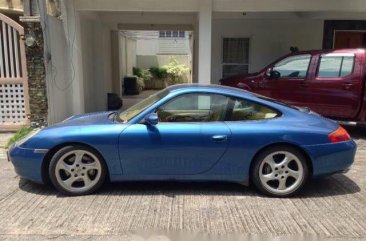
(134, 110)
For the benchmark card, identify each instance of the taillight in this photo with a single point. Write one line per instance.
(339, 135)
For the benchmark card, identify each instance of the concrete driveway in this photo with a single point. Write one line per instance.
(334, 208)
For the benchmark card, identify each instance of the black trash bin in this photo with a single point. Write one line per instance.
(130, 85)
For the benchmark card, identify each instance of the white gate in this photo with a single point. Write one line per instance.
(14, 101)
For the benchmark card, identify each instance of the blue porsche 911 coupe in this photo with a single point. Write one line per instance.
(188, 133)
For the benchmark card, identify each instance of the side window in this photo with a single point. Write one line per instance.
(335, 66)
(245, 110)
(294, 66)
(194, 108)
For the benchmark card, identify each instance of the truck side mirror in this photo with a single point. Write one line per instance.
(273, 74)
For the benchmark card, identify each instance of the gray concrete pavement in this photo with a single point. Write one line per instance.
(334, 208)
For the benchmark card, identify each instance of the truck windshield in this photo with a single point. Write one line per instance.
(136, 109)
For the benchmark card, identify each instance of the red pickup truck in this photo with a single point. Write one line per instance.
(330, 82)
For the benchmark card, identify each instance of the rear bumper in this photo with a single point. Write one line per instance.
(27, 163)
(331, 158)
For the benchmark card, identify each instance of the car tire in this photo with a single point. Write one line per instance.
(280, 171)
(77, 170)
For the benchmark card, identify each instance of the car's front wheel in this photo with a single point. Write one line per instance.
(77, 170)
(280, 171)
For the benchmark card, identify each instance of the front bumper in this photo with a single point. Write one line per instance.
(331, 158)
(27, 162)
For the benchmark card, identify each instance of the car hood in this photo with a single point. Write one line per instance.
(95, 118)
(235, 79)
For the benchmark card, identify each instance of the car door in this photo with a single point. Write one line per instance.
(289, 81)
(189, 139)
(336, 86)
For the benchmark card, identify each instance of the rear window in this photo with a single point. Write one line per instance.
(245, 110)
(335, 66)
(302, 109)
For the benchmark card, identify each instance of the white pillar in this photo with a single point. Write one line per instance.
(204, 41)
(116, 64)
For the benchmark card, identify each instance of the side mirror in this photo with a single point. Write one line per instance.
(151, 119)
(273, 74)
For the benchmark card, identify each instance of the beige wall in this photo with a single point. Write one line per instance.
(147, 61)
(96, 62)
(58, 72)
(269, 39)
(222, 5)
(11, 6)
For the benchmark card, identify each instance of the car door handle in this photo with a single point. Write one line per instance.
(347, 85)
(219, 138)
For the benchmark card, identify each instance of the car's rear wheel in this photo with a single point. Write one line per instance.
(77, 170)
(280, 171)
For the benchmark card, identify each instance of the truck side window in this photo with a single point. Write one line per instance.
(293, 66)
(335, 66)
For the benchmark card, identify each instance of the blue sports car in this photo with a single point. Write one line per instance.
(188, 132)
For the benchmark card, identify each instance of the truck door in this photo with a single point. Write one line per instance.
(336, 87)
(287, 80)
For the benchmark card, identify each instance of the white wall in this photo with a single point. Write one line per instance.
(62, 61)
(128, 55)
(96, 62)
(222, 5)
(269, 39)
(58, 72)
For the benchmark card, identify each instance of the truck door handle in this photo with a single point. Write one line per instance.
(347, 85)
(219, 138)
(303, 84)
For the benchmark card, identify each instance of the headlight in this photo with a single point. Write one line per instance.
(27, 137)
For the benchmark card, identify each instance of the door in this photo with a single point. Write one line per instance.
(349, 39)
(189, 139)
(290, 84)
(337, 85)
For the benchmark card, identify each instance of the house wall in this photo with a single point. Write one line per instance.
(147, 61)
(78, 62)
(269, 39)
(153, 51)
(96, 62)
(222, 5)
(11, 6)
(58, 71)
(81, 59)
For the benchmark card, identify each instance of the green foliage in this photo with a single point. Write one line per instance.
(140, 84)
(145, 75)
(157, 72)
(137, 71)
(176, 71)
(19, 135)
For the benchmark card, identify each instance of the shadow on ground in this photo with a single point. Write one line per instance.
(357, 132)
(329, 186)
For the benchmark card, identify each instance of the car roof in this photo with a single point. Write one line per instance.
(328, 51)
(213, 88)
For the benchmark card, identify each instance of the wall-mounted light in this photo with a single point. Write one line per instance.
(30, 40)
